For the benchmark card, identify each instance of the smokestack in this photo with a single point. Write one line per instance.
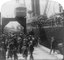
(35, 7)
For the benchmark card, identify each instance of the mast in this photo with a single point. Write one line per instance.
(60, 8)
(17, 1)
(46, 8)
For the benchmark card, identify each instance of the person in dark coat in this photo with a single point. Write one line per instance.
(25, 48)
(31, 32)
(61, 48)
(31, 46)
(53, 45)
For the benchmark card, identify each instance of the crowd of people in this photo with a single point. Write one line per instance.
(18, 43)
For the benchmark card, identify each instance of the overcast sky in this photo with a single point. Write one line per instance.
(4, 1)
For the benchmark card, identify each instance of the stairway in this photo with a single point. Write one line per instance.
(45, 43)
